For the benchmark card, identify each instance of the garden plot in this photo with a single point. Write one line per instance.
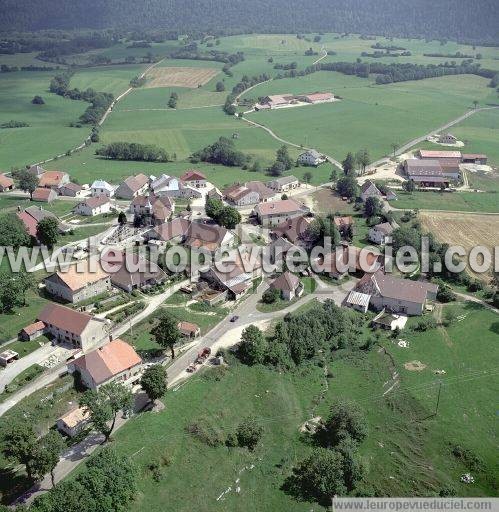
(179, 77)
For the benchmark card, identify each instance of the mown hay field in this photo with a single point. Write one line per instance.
(179, 77)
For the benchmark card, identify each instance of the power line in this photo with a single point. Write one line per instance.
(458, 379)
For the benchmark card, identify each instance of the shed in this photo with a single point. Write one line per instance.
(358, 301)
(8, 356)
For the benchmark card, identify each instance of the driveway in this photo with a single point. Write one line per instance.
(8, 374)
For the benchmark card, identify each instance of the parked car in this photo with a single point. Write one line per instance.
(235, 318)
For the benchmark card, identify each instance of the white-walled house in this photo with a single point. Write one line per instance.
(312, 158)
(380, 232)
(73, 286)
(396, 295)
(273, 213)
(93, 206)
(101, 188)
(78, 329)
(73, 422)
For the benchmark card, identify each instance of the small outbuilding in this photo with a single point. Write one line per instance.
(73, 422)
(8, 356)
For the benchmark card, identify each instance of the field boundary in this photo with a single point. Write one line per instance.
(102, 119)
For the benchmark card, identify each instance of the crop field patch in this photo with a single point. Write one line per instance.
(465, 229)
(180, 77)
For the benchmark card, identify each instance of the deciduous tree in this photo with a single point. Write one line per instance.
(154, 382)
(166, 332)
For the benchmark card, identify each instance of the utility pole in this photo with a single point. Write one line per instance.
(438, 396)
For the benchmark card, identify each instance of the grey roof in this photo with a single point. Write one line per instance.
(358, 299)
(385, 285)
(367, 185)
(286, 281)
(416, 167)
(284, 180)
(385, 228)
(312, 152)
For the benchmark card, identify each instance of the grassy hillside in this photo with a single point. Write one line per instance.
(407, 452)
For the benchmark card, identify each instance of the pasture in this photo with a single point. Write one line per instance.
(113, 79)
(49, 132)
(404, 452)
(450, 201)
(369, 116)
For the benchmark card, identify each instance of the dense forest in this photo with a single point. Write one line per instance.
(453, 19)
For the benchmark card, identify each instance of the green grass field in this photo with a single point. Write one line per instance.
(457, 201)
(113, 79)
(369, 116)
(49, 133)
(407, 452)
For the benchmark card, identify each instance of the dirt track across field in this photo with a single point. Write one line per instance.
(179, 77)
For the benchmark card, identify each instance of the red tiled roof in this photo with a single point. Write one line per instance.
(192, 175)
(279, 207)
(51, 178)
(187, 327)
(135, 183)
(5, 181)
(42, 194)
(172, 229)
(426, 153)
(105, 362)
(33, 328)
(95, 202)
(293, 229)
(30, 223)
(319, 96)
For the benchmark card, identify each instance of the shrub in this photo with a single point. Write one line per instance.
(206, 432)
(249, 433)
(270, 296)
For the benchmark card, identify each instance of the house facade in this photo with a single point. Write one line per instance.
(194, 178)
(73, 422)
(93, 206)
(288, 285)
(284, 184)
(101, 188)
(273, 213)
(380, 233)
(369, 189)
(73, 286)
(396, 295)
(70, 190)
(132, 187)
(53, 179)
(447, 138)
(73, 327)
(311, 158)
(44, 195)
(6, 183)
(239, 195)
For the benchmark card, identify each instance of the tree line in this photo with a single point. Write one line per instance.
(459, 20)
(394, 72)
(133, 151)
(100, 101)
